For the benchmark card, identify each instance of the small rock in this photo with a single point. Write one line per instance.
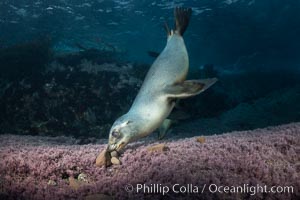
(74, 184)
(158, 147)
(51, 182)
(98, 197)
(83, 178)
(114, 154)
(201, 139)
(103, 159)
(115, 161)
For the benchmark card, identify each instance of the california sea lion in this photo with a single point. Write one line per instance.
(165, 82)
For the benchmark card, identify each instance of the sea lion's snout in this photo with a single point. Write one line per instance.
(111, 147)
(112, 143)
(116, 146)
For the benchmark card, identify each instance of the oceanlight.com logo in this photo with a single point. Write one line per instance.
(211, 188)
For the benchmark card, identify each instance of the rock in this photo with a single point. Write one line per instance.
(158, 147)
(82, 178)
(114, 154)
(74, 184)
(98, 197)
(51, 182)
(103, 159)
(201, 139)
(115, 161)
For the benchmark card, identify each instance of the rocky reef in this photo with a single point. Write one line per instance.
(77, 93)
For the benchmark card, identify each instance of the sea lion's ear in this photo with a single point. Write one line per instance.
(188, 88)
(125, 123)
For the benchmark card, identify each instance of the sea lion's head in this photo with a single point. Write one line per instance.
(121, 133)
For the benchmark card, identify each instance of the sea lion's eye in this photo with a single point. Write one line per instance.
(115, 134)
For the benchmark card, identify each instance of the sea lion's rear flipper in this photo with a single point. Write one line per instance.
(188, 88)
(182, 18)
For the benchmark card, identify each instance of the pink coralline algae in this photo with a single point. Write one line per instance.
(57, 168)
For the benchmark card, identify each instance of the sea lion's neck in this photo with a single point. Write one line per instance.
(143, 123)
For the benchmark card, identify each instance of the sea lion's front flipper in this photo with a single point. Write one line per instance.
(163, 129)
(188, 88)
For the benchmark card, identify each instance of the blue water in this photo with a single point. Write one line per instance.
(223, 32)
(252, 46)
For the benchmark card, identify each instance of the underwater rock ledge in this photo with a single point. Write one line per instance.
(35, 167)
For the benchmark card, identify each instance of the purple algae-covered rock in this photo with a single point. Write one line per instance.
(268, 156)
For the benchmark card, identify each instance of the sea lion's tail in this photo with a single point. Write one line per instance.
(182, 18)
